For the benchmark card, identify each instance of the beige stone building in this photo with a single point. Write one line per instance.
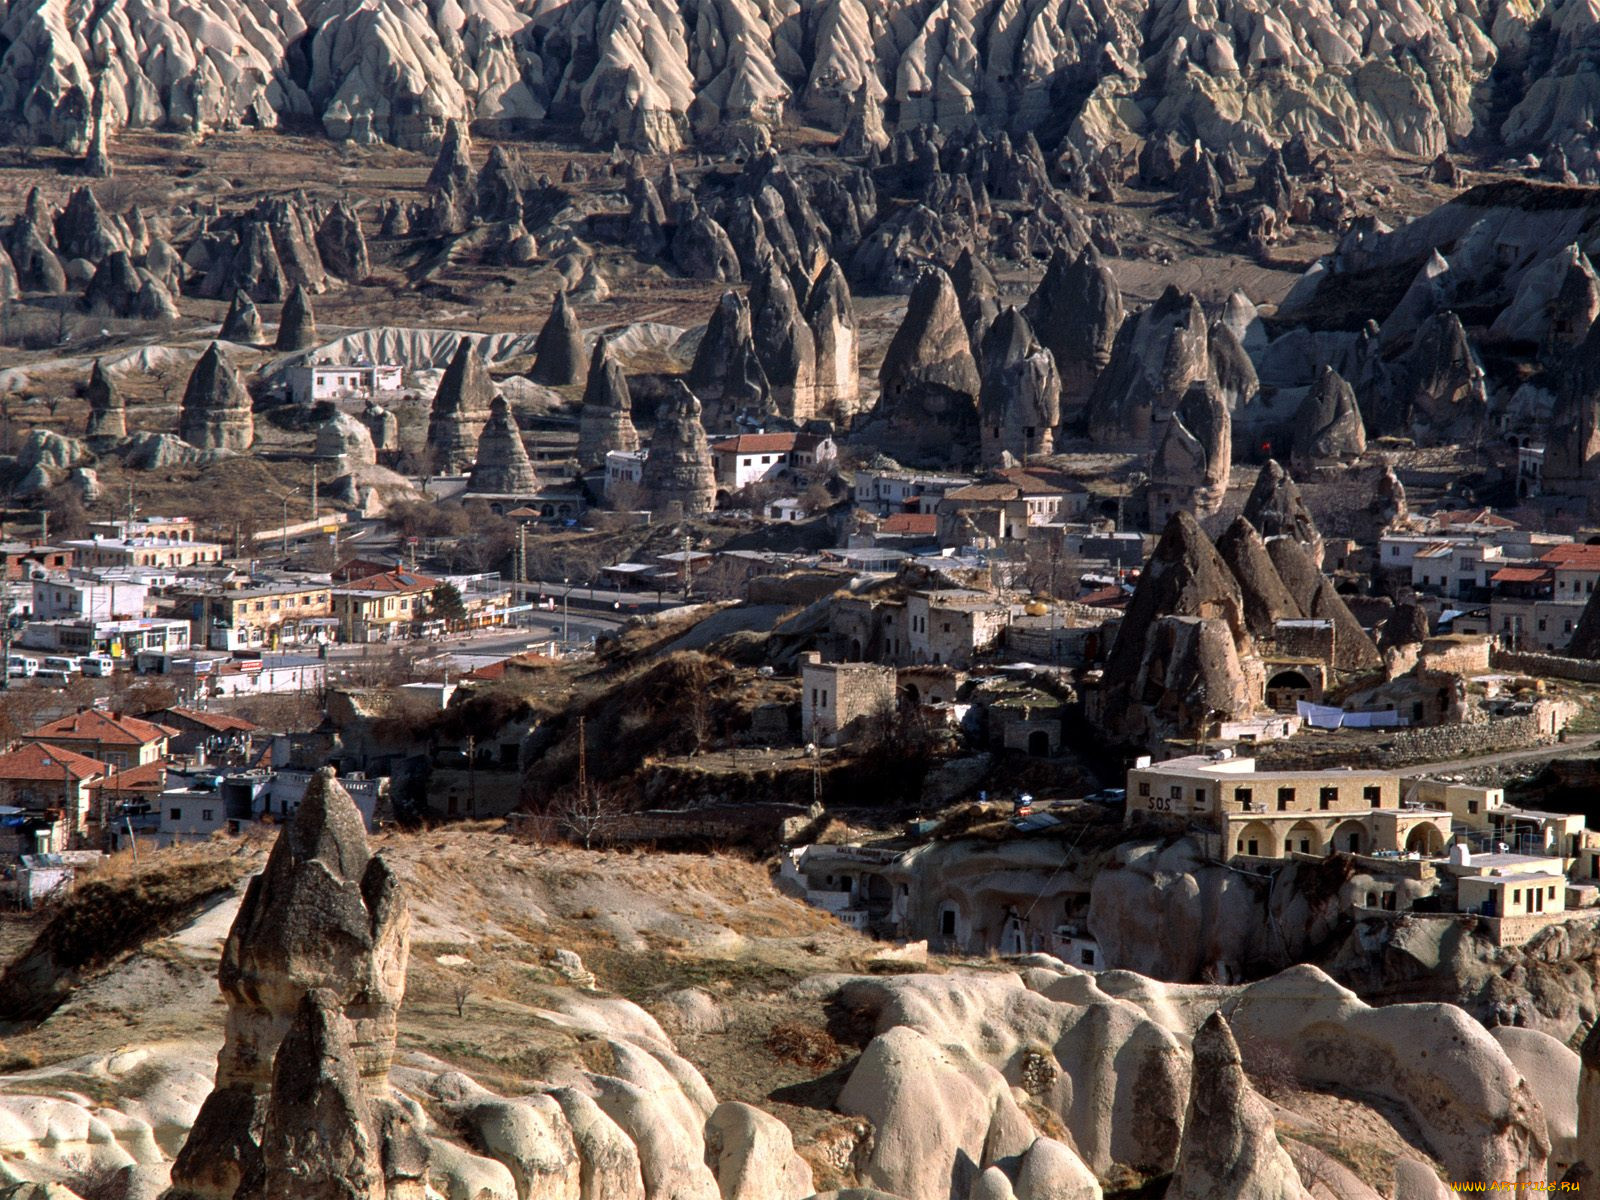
(836, 696)
(1272, 814)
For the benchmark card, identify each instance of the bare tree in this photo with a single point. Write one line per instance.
(588, 814)
(459, 994)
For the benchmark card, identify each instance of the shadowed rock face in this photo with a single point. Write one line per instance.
(503, 466)
(929, 384)
(605, 422)
(216, 413)
(830, 311)
(1266, 599)
(460, 408)
(1157, 355)
(243, 322)
(726, 370)
(1020, 401)
(1076, 312)
(1353, 650)
(678, 473)
(1189, 469)
(314, 967)
(297, 326)
(1328, 430)
(341, 244)
(784, 344)
(1276, 509)
(558, 354)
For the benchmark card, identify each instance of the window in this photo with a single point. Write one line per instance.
(1552, 891)
(1199, 795)
(1327, 796)
(824, 699)
(1374, 795)
(1175, 792)
(176, 814)
(1241, 797)
(1285, 798)
(1086, 957)
(1472, 806)
(813, 697)
(205, 814)
(1144, 788)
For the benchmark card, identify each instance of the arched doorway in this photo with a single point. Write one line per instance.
(1255, 839)
(911, 695)
(1287, 688)
(1303, 838)
(1039, 744)
(1350, 838)
(1425, 840)
(855, 649)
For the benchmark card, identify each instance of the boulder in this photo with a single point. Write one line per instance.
(346, 441)
(752, 1155)
(341, 244)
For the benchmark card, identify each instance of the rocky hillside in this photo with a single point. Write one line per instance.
(1388, 76)
(461, 1013)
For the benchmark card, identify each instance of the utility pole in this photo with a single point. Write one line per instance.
(688, 568)
(284, 531)
(315, 468)
(131, 510)
(44, 526)
(6, 605)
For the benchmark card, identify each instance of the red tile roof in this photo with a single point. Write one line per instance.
(151, 777)
(1474, 516)
(39, 763)
(912, 523)
(1522, 575)
(215, 721)
(497, 670)
(392, 581)
(755, 443)
(1578, 555)
(1106, 597)
(101, 729)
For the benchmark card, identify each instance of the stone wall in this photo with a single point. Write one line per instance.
(1404, 747)
(1553, 666)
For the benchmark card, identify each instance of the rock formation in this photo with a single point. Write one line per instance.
(503, 466)
(297, 326)
(701, 249)
(1076, 311)
(1353, 649)
(784, 345)
(242, 323)
(928, 384)
(459, 412)
(1184, 648)
(341, 244)
(605, 420)
(831, 314)
(1020, 395)
(1437, 396)
(678, 475)
(346, 441)
(1157, 355)
(726, 370)
(314, 973)
(1276, 509)
(1193, 456)
(1266, 600)
(558, 358)
(216, 412)
(1328, 430)
(1229, 1145)
(107, 422)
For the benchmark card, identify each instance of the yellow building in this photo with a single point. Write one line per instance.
(1271, 814)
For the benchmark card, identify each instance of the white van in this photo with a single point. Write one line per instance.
(63, 666)
(20, 666)
(98, 666)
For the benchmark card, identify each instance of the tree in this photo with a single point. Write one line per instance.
(445, 604)
(587, 814)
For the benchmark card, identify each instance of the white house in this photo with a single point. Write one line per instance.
(332, 381)
(61, 598)
(624, 468)
(752, 457)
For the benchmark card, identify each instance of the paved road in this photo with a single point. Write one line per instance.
(1572, 746)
